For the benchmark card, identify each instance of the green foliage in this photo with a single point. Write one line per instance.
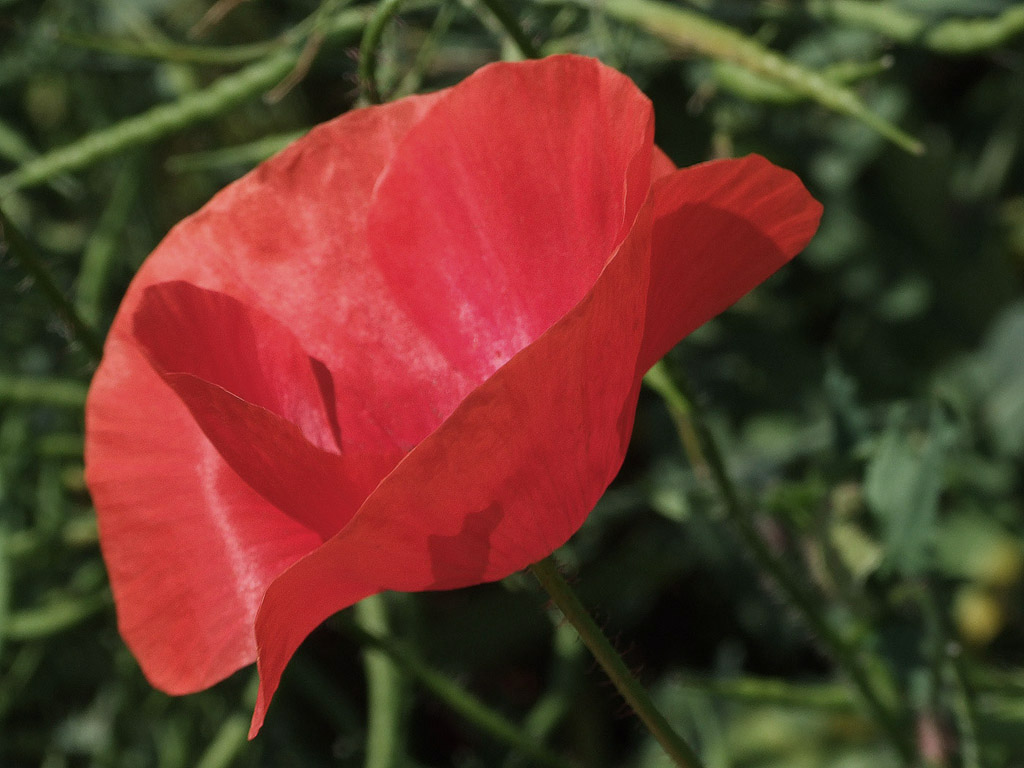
(856, 589)
(902, 485)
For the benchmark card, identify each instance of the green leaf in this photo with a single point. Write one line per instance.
(902, 486)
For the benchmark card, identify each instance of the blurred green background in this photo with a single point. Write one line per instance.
(868, 400)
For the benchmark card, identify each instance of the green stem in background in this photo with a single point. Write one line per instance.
(372, 36)
(412, 80)
(371, 42)
(695, 32)
(5, 582)
(891, 719)
(771, 692)
(458, 700)
(14, 147)
(999, 701)
(751, 87)
(511, 26)
(233, 735)
(659, 380)
(78, 532)
(230, 740)
(21, 667)
(546, 572)
(387, 9)
(165, 119)
(102, 248)
(180, 53)
(153, 124)
(951, 36)
(568, 665)
(58, 615)
(14, 243)
(63, 393)
(61, 445)
(948, 663)
(248, 154)
(386, 690)
(964, 707)
(310, 49)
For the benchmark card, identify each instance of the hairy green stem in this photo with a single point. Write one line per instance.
(891, 719)
(546, 572)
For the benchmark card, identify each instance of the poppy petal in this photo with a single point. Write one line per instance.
(214, 337)
(519, 208)
(661, 164)
(522, 210)
(506, 479)
(319, 489)
(720, 229)
(264, 404)
(189, 546)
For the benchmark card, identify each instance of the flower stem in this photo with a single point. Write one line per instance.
(468, 706)
(546, 572)
(893, 722)
(386, 690)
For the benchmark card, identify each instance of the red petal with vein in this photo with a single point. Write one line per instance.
(465, 279)
(505, 481)
(190, 547)
(522, 210)
(720, 229)
(215, 337)
(267, 407)
(498, 213)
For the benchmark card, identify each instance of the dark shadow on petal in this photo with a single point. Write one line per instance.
(462, 559)
(325, 383)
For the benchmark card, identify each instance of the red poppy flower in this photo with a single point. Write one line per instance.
(404, 354)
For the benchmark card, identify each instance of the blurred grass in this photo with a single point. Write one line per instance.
(869, 400)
